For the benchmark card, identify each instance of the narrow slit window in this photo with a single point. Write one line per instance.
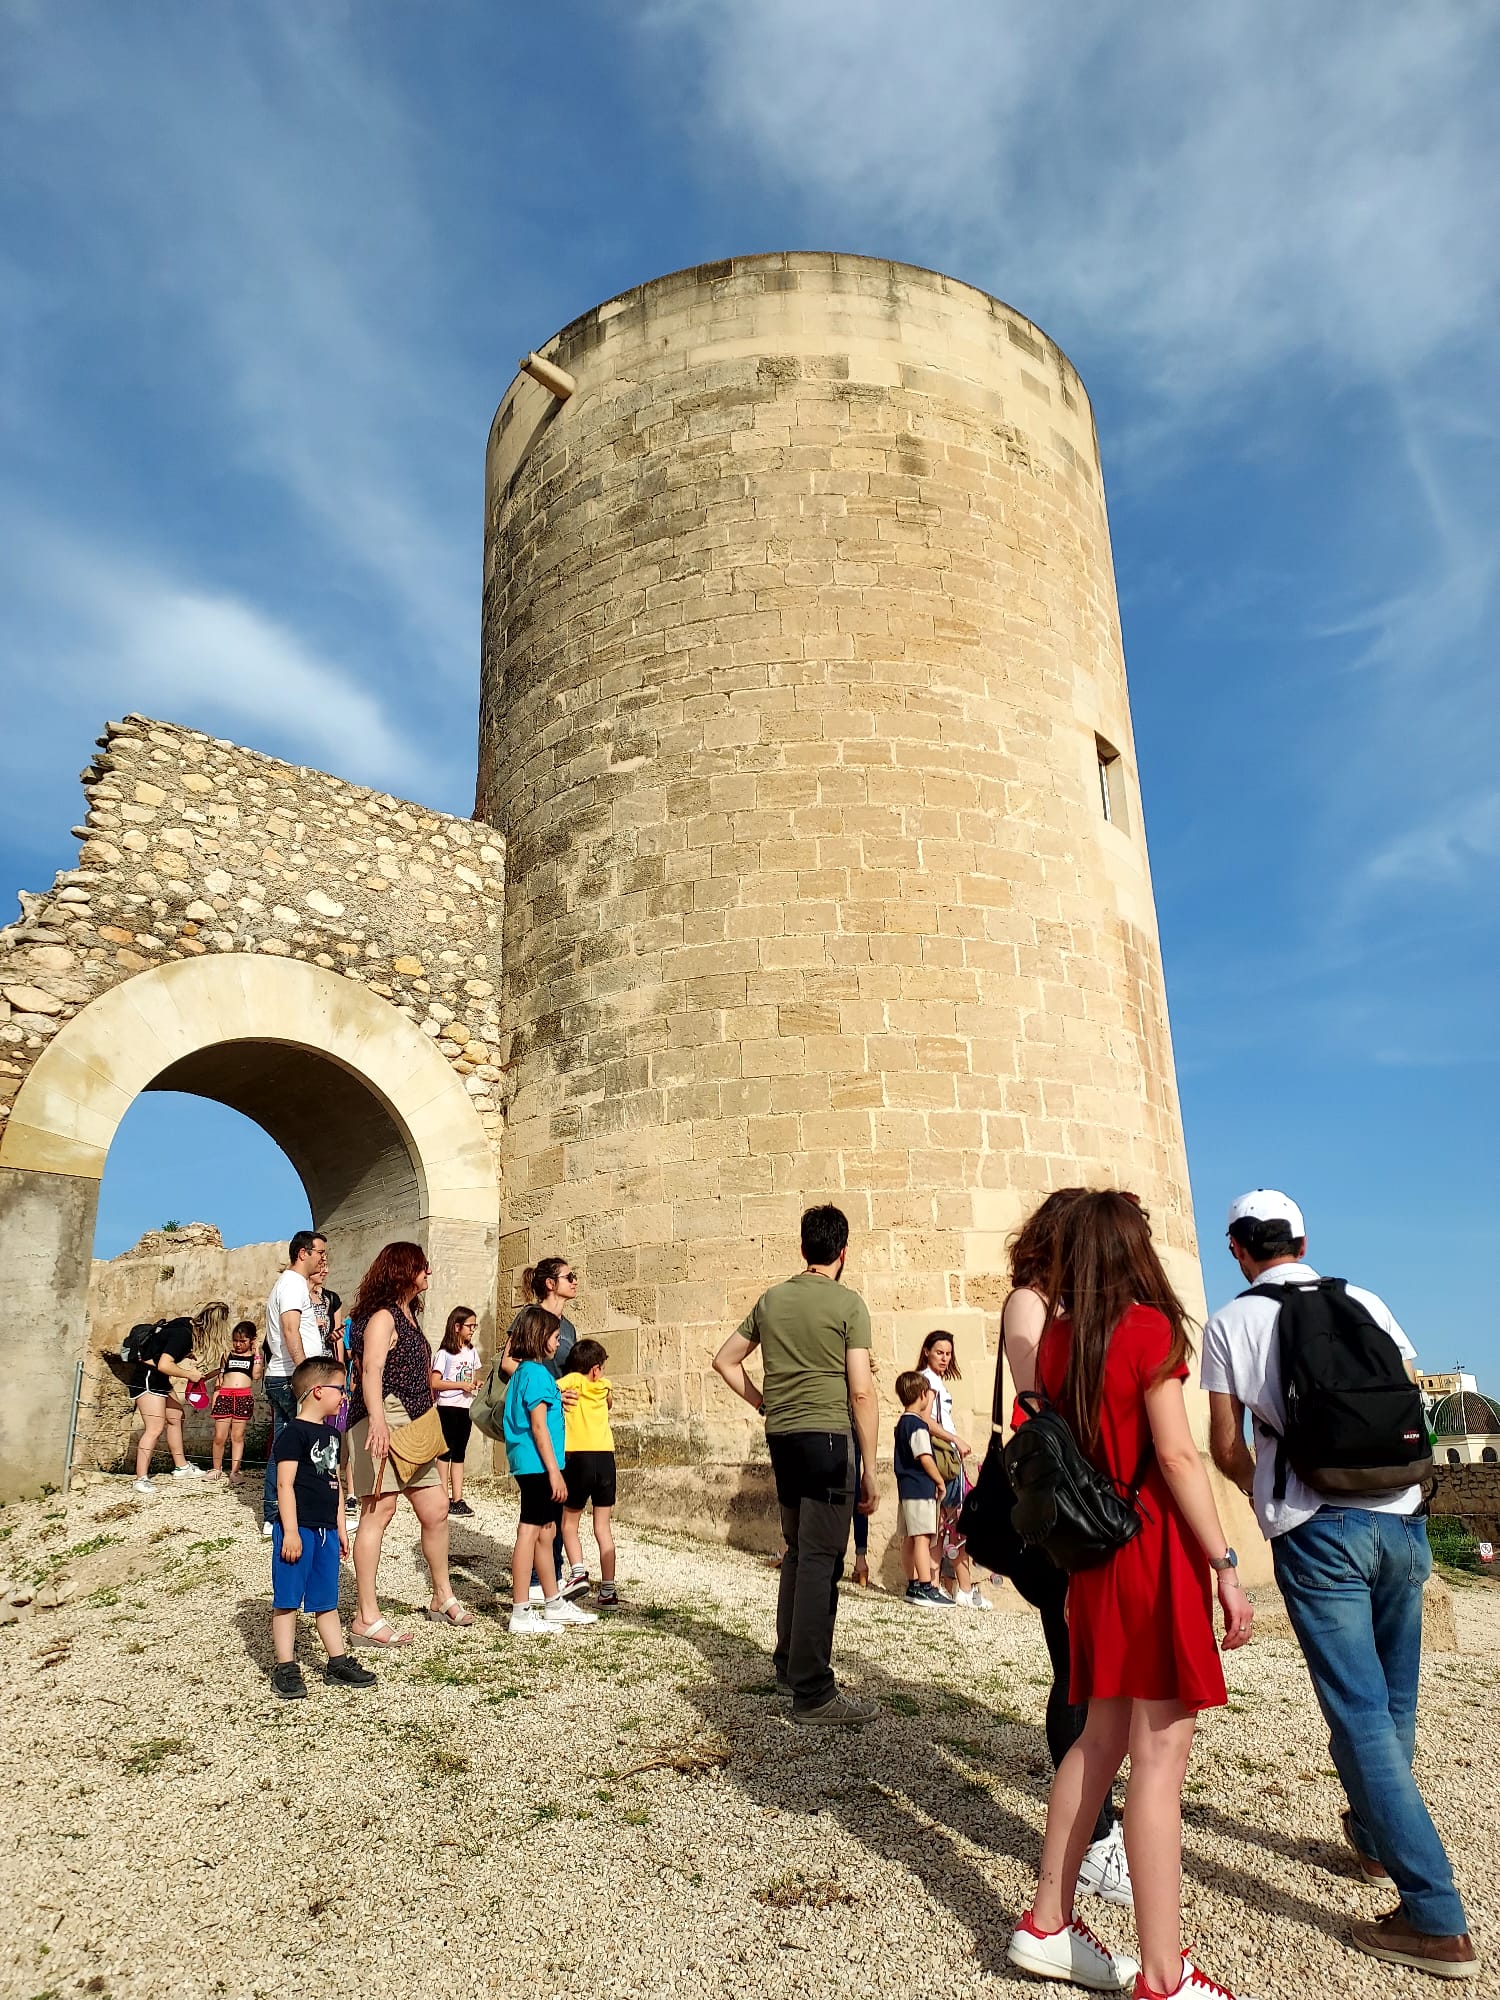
(1111, 782)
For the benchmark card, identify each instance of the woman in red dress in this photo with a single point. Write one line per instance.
(1140, 1626)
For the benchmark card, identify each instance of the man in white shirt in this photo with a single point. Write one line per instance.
(1350, 1570)
(292, 1337)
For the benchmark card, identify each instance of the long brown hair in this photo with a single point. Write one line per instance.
(452, 1341)
(1104, 1262)
(391, 1279)
(924, 1359)
(1034, 1245)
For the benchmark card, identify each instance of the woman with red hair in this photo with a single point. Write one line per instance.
(390, 1367)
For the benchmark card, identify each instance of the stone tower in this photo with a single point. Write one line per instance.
(804, 718)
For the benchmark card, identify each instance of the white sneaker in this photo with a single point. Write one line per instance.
(141, 1486)
(970, 1600)
(529, 1623)
(1197, 1985)
(1072, 1954)
(1104, 1871)
(538, 1596)
(560, 1612)
(188, 1472)
(267, 1529)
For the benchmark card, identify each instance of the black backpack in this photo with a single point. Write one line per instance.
(1065, 1505)
(1354, 1417)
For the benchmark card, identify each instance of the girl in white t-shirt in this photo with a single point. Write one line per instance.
(455, 1377)
(939, 1365)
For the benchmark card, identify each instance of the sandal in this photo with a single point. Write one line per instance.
(444, 1614)
(374, 1641)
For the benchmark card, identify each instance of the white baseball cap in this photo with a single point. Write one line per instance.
(1268, 1205)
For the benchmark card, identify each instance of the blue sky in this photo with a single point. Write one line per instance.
(264, 274)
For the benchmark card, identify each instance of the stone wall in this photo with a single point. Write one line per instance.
(1473, 1493)
(193, 845)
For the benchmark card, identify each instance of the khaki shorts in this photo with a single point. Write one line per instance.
(919, 1517)
(361, 1467)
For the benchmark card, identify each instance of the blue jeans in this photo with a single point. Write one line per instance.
(1352, 1582)
(283, 1403)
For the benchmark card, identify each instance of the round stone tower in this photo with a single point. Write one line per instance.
(804, 719)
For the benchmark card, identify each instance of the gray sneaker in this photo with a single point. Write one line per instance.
(838, 1711)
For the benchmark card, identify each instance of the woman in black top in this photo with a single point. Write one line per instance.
(390, 1367)
(168, 1357)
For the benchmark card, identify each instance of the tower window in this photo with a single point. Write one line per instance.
(1111, 782)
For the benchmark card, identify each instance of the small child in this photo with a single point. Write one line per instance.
(536, 1450)
(920, 1488)
(309, 1539)
(590, 1468)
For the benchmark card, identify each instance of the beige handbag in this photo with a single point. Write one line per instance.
(416, 1444)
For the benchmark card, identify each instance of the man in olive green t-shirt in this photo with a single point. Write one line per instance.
(814, 1336)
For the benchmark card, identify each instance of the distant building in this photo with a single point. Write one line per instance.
(1455, 1382)
(1465, 1424)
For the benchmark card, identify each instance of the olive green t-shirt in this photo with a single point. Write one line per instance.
(803, 1329)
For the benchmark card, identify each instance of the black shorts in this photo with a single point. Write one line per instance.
(457, 1424)
(590, 1476)
(538, 1508)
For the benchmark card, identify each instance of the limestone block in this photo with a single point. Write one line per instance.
(32, 1000)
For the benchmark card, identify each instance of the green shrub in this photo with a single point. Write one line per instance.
(1454, 1543)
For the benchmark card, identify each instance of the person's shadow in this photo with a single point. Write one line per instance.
(935, 1763)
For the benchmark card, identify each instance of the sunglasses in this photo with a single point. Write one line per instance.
(568, 1277)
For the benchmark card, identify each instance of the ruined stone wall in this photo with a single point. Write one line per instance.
(800, 650)
(1473, 1493)
(193, 845)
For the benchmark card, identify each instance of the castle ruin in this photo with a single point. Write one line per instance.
(807, 863)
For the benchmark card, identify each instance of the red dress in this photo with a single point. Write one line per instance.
(1140, 1624)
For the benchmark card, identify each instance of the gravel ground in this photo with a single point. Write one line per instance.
(620, 1811)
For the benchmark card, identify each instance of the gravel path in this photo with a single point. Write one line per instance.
(620, 1811)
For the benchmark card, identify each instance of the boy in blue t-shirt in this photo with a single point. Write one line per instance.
(919, 1488)
(536, 1450)
(309, 1537)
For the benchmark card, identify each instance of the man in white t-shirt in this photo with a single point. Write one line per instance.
(292, 1337)
(1351, 1571)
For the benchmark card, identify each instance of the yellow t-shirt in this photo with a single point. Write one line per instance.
(587, 1423)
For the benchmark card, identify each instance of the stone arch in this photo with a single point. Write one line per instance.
(378, 1125)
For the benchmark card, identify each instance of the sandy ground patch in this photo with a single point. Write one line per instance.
(617, 1812)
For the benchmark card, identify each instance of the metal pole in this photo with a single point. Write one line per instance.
(73, 1426)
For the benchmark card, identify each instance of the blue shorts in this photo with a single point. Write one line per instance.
(312, 1583)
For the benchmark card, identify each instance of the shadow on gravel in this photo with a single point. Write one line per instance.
(936, 1763)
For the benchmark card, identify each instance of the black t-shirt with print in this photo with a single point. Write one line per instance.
(314, 1450)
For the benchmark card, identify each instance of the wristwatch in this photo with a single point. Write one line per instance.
(1229, 1560)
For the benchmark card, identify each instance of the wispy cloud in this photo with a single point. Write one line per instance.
(1217, 190)
(265, 184)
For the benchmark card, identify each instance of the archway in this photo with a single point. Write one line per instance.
(377, 1124)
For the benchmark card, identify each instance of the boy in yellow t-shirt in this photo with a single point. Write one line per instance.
(589, 1465)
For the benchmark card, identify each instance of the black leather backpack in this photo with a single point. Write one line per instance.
(1065, 1506)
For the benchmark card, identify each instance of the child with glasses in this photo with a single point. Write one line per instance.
(309, 1538)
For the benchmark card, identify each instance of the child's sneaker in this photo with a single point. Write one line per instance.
(970, 1600)
(1195, 1985)
(560, 1612)
(529, 1623)
(286, 1679)
(141, 1486)
(345, 1671)
(1104, 1871)
(537, 1595)
(609, 1595)
(574, 1584)
(1073, 1954)
(933, 1598)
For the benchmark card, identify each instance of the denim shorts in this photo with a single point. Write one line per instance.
(312, 1582)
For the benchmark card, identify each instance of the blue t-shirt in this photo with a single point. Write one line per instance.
(532, 1383)
(912, 1439)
